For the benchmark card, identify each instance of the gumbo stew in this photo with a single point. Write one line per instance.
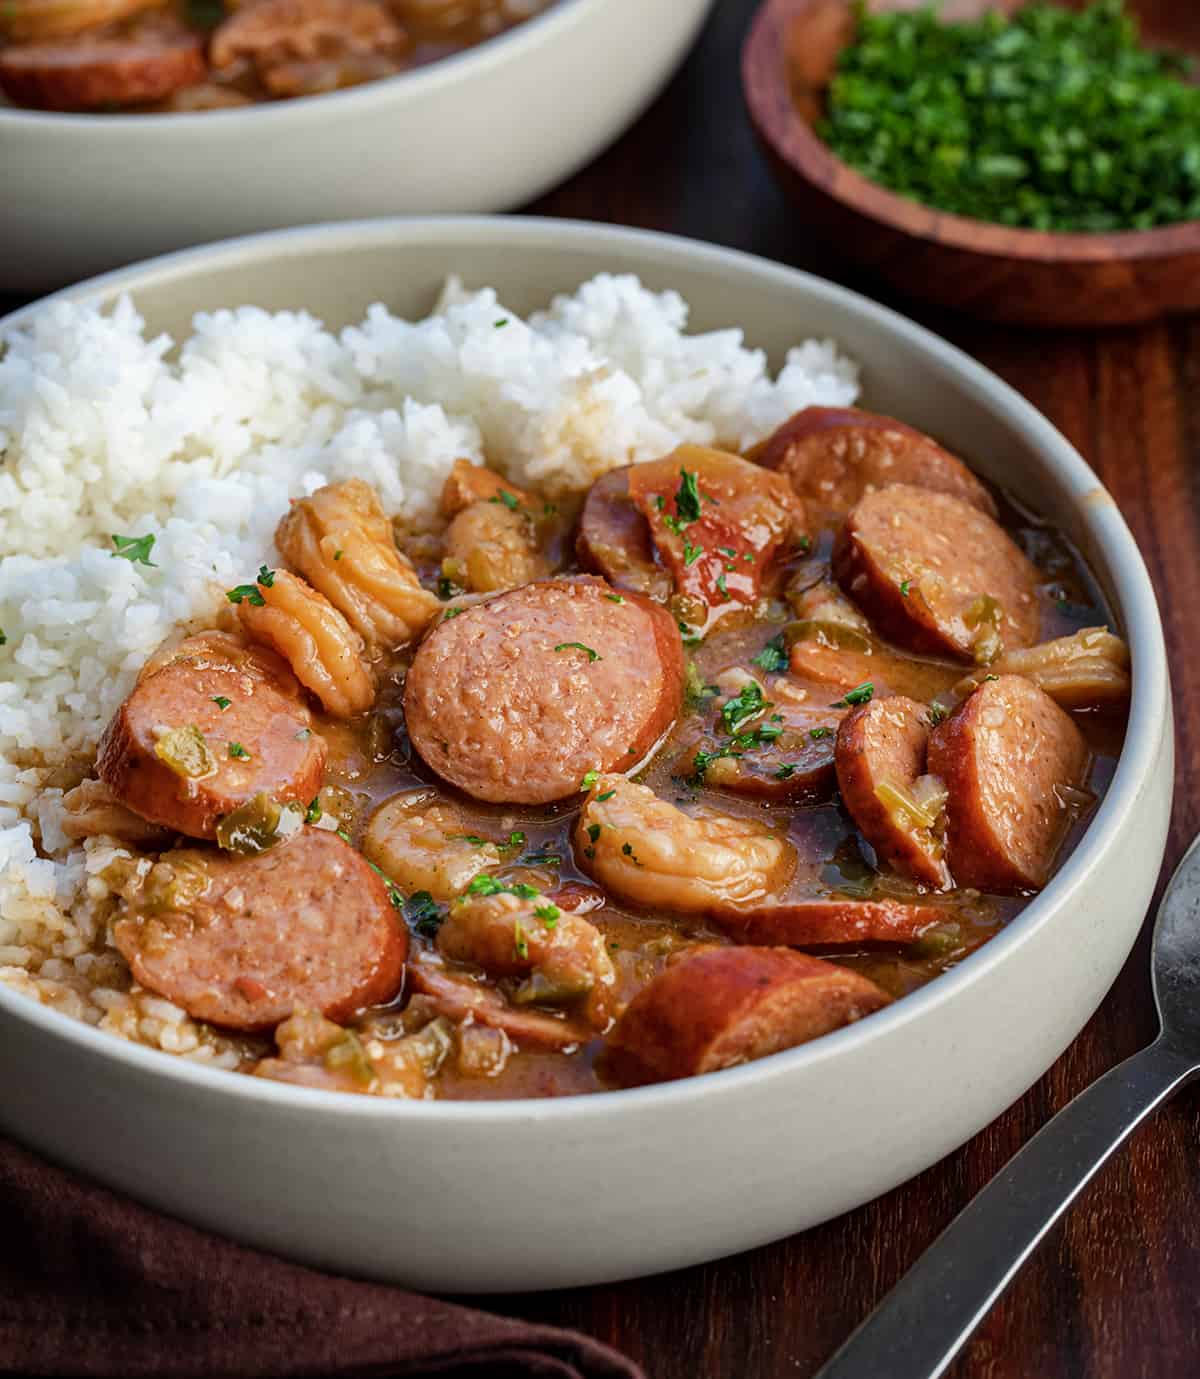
(547, 799)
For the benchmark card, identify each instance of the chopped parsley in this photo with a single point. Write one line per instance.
(238, 752)
(936, 715)
(773, 656)
(905, 586)
(659, 503)
(314, 811)
(422, 912)
(510, 500)
(249, 592)
(804, 545)
(818, 733)
(608, 794)
(267, 577)
(729, 551)
(516, 839)
(541, 858)
(627, 850)
(787, 770)
(484, 884)
(735, 713)
(725, 594)
(687, 497)
(593, 831)
(135, 549)
(452, 613)
(579, 646)
(501, 323)
(615, 598)
(589, 779)
(337, 555)
(447, 589)
(691, 553)
(221, 702)
(549, 915)
(860, 694)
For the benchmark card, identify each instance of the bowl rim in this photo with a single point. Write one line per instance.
(1128, 579)
(793, 140)
(432, 76)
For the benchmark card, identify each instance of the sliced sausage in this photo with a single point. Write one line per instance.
(614, 539)
(833, 923)
(209, 726)
(881, 751)
(820, 658)
(270, 32)
(34, 21)
(517, 699)
(244, 941)
(458, 997)
(470, 483)
(797, 765)
(1009, 757)
(724, 1006)
(832, 456)
(935, 574)
(718, 524)
(133, 65)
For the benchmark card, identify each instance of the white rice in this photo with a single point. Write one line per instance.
(104, 431)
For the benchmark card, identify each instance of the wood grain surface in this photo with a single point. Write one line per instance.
(1115, 1294)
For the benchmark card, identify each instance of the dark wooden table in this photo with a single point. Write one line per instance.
(1116, 1293)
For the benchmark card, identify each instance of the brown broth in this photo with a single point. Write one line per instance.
(373, 760)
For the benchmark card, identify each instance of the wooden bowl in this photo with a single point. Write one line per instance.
(1030, 276)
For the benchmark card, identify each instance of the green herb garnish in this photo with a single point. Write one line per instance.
(691, 553)
(1050, 120)
(238, 752)
(579, 646)
(135, 549)
(860, 694)
(314, 811)
(221, 702)
(249, 592)
(510, 500)
(589, 779)
(773, 656)
(748, 704)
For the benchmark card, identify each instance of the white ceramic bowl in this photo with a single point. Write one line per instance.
(485, 130)
(539, 1194)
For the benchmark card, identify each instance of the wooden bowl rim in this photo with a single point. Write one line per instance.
(781, 125)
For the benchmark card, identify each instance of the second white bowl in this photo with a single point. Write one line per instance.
(486, 130)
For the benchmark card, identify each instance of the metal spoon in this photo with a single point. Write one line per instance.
(922, 1324)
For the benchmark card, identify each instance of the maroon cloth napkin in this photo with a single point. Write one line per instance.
(92, 1284)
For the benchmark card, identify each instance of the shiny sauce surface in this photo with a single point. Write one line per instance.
(371, 759)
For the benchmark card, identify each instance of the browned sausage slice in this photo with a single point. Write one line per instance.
(244, 941)
(1008, 755)
(614, 538)
(718, 524)
(797, 765)
(881, 749)
(819, 658)
(724, 1006)
(935, 574)
(834, 455)
(456, 996)
(209, 726)
(833, 923)
(517, 699)
(133, 65)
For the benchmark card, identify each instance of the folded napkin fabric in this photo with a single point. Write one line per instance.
(92, 1284)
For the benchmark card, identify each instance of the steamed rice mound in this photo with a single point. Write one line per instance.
(202, 443)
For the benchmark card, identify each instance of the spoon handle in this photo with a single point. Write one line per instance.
(918, 1329)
